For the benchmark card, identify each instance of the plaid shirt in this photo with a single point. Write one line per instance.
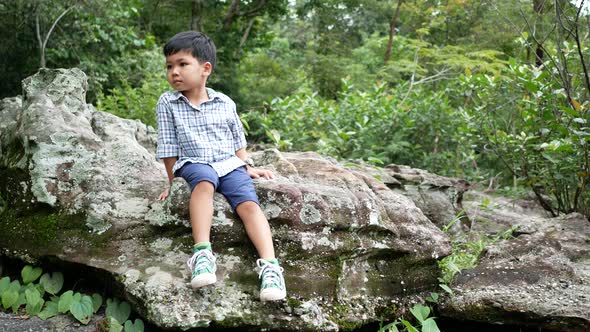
(209, 133)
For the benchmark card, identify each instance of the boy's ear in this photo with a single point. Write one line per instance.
(208, 67)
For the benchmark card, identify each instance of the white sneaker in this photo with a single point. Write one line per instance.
(202, 266)
(272, 287)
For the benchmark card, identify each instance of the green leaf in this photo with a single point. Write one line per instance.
(453, 267)
(96, 302)
(409, 326)
(420, 311)
(114, 325)
(64, 301)
(30, 274)
(429, 325)
(579, 120)
(4, 284)
(34, 309)
(9, 298)
(33, 296)
(548, 157)
(118, 310)
(391, 327)
(19, 302)
(52, 282)
(433, 297)
(49, 311)
(41, 289)
(134, 327)
(82, 310)
(15, 286)
(446, 288)
(375, 161)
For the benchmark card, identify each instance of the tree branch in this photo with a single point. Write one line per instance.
(254, 11)
(232, 13)
(245, 36)
(579, 46)
(392, 26)
(44, 43)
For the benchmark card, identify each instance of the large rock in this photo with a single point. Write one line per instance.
(439, 197)
(80, 185)
(540, 277)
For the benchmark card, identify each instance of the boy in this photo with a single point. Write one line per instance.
(201, 139)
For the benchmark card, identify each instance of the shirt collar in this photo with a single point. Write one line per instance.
(213, 95)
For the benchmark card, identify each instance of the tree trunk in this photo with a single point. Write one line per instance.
(43, 41)
(232, 13)
(392, 26)
(538, 6)
(197, 14)
(40, 41)
(245, 37)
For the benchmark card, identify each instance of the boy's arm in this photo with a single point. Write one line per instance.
(254, 172)
(240, 147)
(168, 148)
(168, 163)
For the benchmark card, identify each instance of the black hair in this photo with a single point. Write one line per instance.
(197, 43)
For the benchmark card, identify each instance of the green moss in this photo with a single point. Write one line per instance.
(293, 302)
(387, 313)
(340, 315)
(45, 232)
(15, 189)
(237, 321)
(244, 278)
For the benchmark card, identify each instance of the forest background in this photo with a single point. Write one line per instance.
(493, 91)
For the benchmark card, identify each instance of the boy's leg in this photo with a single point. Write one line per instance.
(257, 228)
(202, 180)
(239, 190)
(201, 211)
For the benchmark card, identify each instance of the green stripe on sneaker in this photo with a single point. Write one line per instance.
(272, 260)
(201, 246)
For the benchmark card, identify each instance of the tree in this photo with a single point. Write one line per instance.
(392, 26)
(43, 39)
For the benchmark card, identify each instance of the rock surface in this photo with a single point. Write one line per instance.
(440, 198)
(540, 277)
(80, 185)
(357, 242)
(61, 323)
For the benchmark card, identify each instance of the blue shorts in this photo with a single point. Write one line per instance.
(236, 186)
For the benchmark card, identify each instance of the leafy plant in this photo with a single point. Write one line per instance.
(400, 124)
(467, 249)
(540, 132)
(136, 326)
(52, 283)
(424, 323)
(30, 274)
(10, 296)
(81, 306)
(118, 310)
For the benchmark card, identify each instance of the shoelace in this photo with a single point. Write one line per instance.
(200, 260)
(270, 273)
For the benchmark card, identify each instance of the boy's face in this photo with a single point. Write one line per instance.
(185, 73)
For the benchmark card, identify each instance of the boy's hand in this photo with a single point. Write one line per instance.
(257, 173)
(164, 194)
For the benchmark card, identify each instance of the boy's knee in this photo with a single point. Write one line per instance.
(247, 207)
(204, 187)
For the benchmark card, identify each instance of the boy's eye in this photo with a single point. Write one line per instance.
(168, 66)
(183, 64)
